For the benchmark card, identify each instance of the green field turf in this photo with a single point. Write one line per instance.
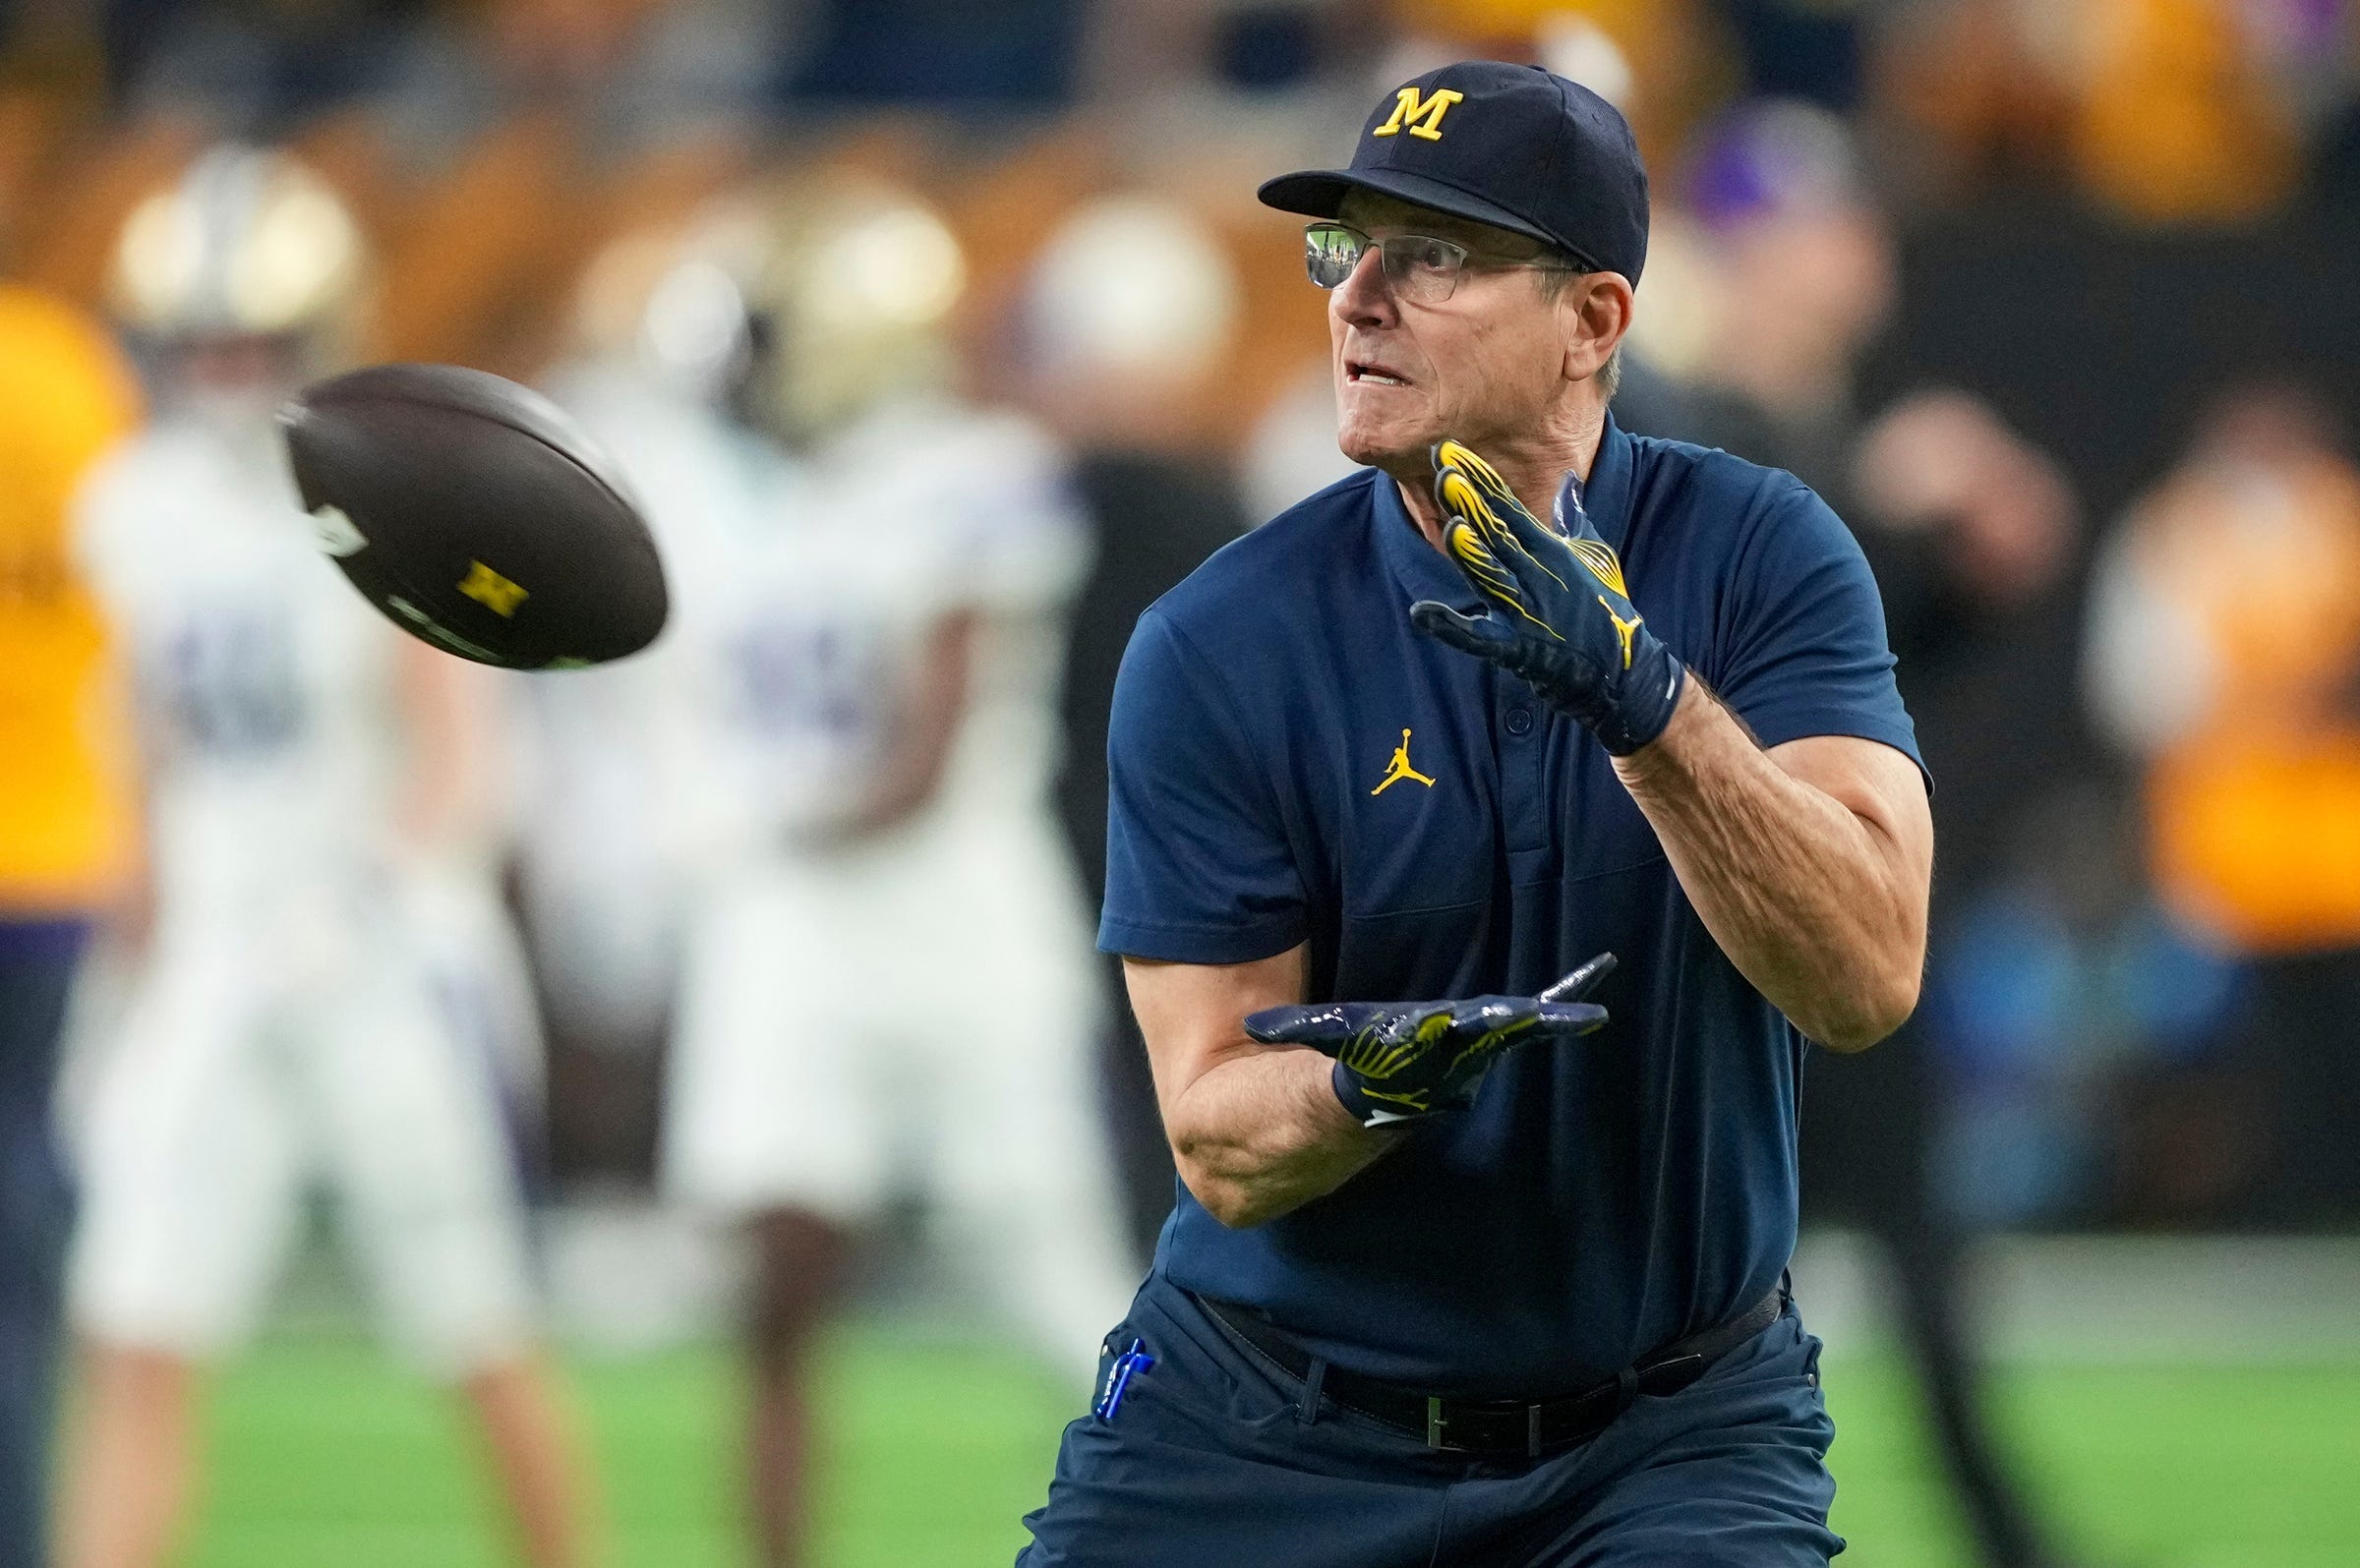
(320, 1454)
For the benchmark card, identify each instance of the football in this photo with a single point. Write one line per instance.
(476, 514)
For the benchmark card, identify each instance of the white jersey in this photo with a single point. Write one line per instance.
(283, 1027)
(811, 614)
(263, 683)
(625, 804)
(925, 995)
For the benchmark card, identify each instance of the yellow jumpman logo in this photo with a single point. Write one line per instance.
(1401, 769)
(1623, 628)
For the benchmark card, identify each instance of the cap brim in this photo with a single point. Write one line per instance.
(1321, 193)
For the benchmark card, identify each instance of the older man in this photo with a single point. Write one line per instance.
(1447, 1282)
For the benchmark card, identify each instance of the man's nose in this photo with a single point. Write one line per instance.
(1365, 299)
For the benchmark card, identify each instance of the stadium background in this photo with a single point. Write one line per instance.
(2120, 225)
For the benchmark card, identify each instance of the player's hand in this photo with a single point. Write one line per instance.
(1397, 1061)
(1557, 614)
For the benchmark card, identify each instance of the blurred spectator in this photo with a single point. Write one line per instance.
(263, 63)
(316, 784)
(571, 40)
(1973, 95)
(2178, 119)
(1805, 270)
(267, 67)
(2080, 1030)
(1806, 50)
(1130, 313)
(1974, 537)
(889, 964)
(2042, 979)
(2225, 654)
(66, 835)
(2165, 111)
(1018, 53)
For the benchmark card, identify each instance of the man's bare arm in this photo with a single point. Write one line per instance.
(1256, 1129)
(1810, 863)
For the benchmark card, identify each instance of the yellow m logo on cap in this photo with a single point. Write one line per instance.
(1422, 114)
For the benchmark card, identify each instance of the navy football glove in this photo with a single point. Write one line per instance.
(1397, 1061)
(1557, 614)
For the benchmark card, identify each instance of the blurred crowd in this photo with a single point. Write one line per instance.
(936, 341)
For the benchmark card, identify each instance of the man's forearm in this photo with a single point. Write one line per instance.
(1262, 1134)
(1816, 905)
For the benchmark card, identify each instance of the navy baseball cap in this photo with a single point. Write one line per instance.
(1511, 145)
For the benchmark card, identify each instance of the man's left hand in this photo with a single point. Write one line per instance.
(1400, 1060)
(1557, 614)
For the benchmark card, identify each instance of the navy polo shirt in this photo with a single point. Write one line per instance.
(1599, 1200)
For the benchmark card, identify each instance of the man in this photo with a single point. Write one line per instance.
(308, 770)
(65, 838)
(1407, 1310)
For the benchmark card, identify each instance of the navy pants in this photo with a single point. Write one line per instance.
(1214, 1462)
(36, 971)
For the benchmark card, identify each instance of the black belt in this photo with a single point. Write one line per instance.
(1499, 1425)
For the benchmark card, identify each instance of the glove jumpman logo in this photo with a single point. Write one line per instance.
(1552, 606)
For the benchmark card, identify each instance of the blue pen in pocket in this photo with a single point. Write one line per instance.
(1129, 1364)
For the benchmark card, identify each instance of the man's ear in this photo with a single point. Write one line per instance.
(1599, 308)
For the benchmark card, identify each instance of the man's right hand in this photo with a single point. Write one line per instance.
(1399, 1060)
(1557, 614)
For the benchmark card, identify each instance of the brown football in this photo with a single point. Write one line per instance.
(476, 514)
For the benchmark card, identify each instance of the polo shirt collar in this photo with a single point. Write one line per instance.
(1424, 572)
(1605, 496)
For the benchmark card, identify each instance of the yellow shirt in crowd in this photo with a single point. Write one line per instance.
(65, 397)
(2255, 812)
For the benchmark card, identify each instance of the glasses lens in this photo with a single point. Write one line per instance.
(1422, 267)
(1331, 251)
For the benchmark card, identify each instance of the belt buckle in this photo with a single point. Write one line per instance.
(1437, 1422)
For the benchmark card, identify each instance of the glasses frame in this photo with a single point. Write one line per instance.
(1395, 263)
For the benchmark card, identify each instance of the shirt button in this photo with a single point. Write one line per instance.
(1519, 720)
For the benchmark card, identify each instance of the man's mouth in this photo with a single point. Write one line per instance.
(1359, 373)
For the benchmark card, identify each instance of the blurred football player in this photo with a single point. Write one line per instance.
(891, 971)
(315, 784)
(658, 345)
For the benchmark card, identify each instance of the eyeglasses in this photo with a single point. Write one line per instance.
(1418, 266)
